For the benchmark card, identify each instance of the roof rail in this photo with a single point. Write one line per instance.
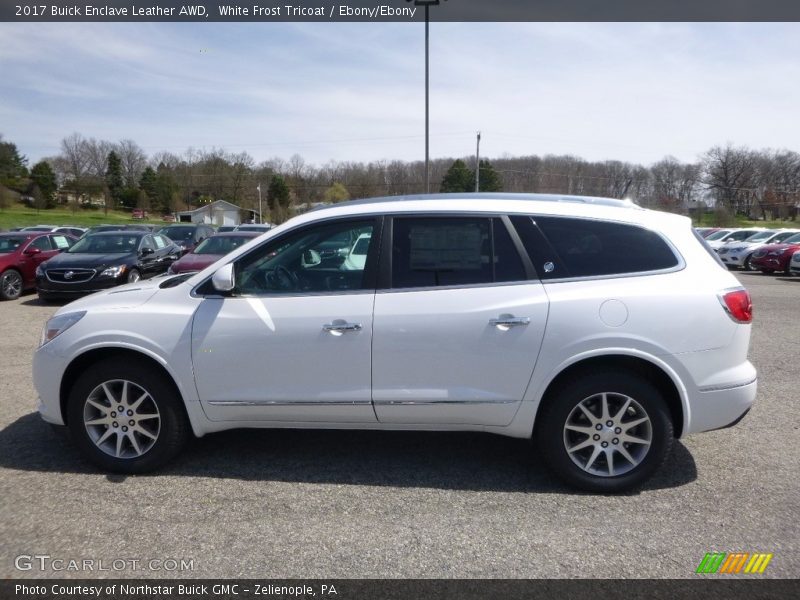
(596, 200)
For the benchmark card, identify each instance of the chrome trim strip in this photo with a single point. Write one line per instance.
(440, 402)
(287, 403)
(720, 388)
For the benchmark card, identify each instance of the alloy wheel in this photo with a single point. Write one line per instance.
(608, 434)
(122, 419)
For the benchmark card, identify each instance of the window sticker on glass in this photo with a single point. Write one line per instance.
(446, 247)
(61, 242)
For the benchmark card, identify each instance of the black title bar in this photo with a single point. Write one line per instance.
(399, 10)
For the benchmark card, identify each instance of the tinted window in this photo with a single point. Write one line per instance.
(446, 251)
(121, 243)
(590, 248)
(147, 242)
(311, 260)
(10, 244)
(42, 243)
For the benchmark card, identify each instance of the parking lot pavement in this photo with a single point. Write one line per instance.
(350, 504)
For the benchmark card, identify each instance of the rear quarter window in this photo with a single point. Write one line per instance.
(589, 248)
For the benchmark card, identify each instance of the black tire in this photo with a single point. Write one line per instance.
(746, 264)
(551, 435)
(10, 284)
(134, 276)
(173, 427)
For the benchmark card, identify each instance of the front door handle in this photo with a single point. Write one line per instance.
(506, 323)
(340, 327)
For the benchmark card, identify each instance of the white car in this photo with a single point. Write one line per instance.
(357, 257)
(599, 329)
(738, 254)
(719, 239)
(794, 264)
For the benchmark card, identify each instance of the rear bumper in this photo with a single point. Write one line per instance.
(717, 408)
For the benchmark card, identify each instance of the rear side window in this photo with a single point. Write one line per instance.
(590, 248)
(453, 251)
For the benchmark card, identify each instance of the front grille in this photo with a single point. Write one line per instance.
(70, 275)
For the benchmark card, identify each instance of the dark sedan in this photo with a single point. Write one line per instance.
(187, 236)
(210, 250)
(102, 260)
(20, 255)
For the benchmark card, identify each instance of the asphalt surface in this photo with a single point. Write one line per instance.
(306, 504)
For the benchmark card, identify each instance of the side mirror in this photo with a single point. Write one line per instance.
(31, 251)
(222, 279)
(146, 251)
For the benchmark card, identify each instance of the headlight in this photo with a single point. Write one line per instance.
(113, 271)
(58, 325)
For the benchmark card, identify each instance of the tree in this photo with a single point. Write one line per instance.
(5, 197)
(336, 193)
(39, 200)
(458, 179)
(44, 179)
(114, 179)
(12, 163)
(490, 179)
(278, 198)
(148, 185)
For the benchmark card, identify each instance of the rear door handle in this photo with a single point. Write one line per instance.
(508, 322)
(341, 327)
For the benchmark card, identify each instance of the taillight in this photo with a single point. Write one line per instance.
(738, 305)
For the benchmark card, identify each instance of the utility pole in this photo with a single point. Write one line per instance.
(427, 4)
(478, 165)
(260, 218)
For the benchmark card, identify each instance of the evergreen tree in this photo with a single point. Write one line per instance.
(458, 179)
(114, 179)
(148, 184)
(12, 163)
(278, 198)
(44, 180)
(490, 180)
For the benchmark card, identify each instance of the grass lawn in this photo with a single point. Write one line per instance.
(18, 215)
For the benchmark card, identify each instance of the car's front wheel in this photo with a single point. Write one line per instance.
(605, 432)
(10, 284)
(125, 417)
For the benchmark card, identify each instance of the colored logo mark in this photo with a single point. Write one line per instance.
(734, 562)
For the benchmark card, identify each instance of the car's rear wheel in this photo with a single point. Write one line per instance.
(605, 432)
(125, 417)
(10, 284)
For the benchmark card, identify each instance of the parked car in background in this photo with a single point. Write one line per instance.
(20, 255)
(103, 228)
(210, 250)
(226, 228)
(531, 316)
(258, 227)
(739, 254)
(794, 263)
(71, 230)
(187, 236)
(775, 257)
(139, 213)
(735, 235)
(706, 231)
(102, 260)
(40, 228)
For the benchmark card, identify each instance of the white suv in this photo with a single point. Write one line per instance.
(599, 329)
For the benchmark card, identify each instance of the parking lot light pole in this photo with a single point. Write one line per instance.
(427, 4)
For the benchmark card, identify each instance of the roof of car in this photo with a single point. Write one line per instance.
(600, 201)
(117, 232)
(235, 234)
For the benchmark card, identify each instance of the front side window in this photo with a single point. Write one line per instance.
(42, 243)
(453, 251)
(594, 248)
(316, 259)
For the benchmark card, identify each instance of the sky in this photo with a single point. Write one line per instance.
(355, 91)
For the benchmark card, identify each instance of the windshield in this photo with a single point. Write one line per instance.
(361, 247)
(106, 244)
(795, 239)
(760, 237)
(253, 228)
(178, 233)
(783, 236)
(718, 234)
(220, 244)
(10, 244)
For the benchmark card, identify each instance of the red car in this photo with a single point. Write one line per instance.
(776, 257)
(210, 250)
(21, 252)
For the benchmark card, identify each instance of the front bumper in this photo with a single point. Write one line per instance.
(49, 289)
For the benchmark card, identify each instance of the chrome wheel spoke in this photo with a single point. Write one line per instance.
(121, 418)
(591, 432)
